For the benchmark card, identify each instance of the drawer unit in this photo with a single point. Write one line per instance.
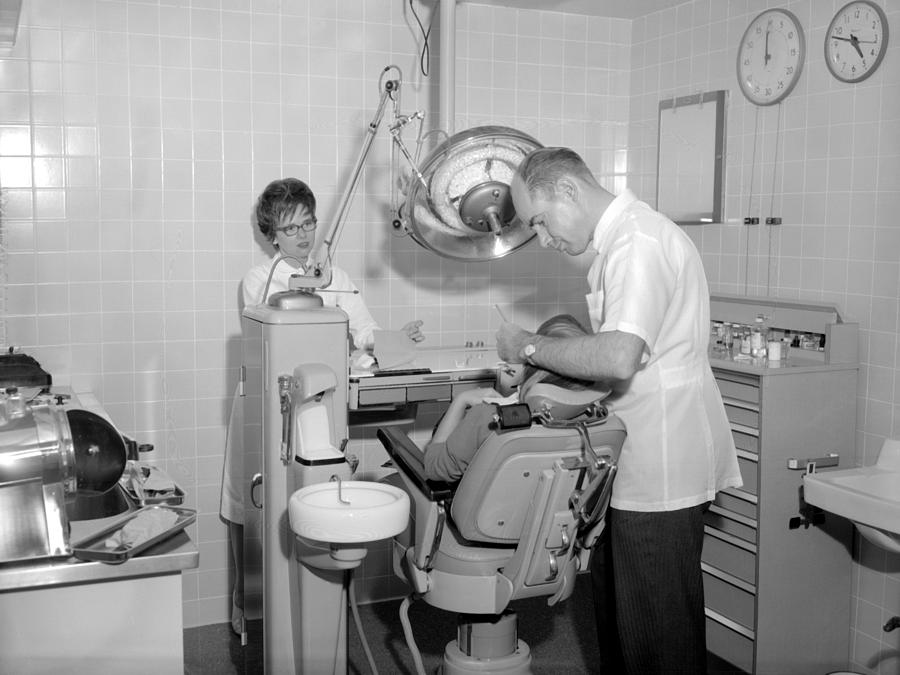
(756, 578)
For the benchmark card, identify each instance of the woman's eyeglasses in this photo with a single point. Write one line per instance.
(294, 228)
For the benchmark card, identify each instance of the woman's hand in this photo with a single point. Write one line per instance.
(413, 330)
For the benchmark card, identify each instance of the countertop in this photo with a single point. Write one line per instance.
(176, 553)
(796, 362)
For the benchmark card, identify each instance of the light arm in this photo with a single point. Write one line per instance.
(318, 271)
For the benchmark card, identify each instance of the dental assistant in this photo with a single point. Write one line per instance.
(649, 309)
(286, 216)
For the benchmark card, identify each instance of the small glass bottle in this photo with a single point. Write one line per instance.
(758, 338)
(745, 341)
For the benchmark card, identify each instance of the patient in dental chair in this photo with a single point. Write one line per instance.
(469, 418)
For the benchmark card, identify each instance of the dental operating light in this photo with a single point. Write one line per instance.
(457, 204)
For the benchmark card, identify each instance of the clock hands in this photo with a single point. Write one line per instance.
(767, 56)
(854, 42)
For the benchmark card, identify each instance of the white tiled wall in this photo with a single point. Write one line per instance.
(136, 134)
(827, 161)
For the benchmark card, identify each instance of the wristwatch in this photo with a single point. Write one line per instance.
(528, 352)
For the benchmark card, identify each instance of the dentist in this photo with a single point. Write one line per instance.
(649, 310)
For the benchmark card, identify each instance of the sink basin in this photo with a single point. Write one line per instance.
(369, 512)
(93, 505)
(869, 496)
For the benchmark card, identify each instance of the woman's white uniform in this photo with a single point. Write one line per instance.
(362, 329)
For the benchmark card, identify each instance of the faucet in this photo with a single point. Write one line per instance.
(337, 478)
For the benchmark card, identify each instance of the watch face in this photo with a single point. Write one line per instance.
(856, 41)
(770, 56)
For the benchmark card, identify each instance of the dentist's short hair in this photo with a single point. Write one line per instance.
(542, 168)
(279, 202)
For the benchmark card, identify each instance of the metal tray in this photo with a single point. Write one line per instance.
(148, 497)
(96, 548)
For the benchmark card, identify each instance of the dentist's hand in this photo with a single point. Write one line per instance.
(413, 330)
(511, 340)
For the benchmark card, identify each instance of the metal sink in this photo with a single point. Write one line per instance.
(91, 505)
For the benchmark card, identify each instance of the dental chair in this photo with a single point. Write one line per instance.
(519, 524)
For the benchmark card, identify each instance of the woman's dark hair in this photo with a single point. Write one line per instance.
(561, 325)
(279, 201)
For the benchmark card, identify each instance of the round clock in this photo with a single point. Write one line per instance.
(856, 41)
(770, 57)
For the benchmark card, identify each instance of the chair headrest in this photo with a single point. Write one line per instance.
(559, 403)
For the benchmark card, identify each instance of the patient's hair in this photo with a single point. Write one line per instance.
(279, 201)
(563, 326)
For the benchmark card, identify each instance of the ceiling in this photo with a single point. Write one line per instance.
(622, 9)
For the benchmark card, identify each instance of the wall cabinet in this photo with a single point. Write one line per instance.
(777, 590)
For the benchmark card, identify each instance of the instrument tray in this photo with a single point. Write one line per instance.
(138, 480)
(134, 534)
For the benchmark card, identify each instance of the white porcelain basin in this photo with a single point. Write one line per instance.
(869, 496)
(369, 511)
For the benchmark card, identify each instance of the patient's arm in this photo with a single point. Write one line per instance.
(457, 409)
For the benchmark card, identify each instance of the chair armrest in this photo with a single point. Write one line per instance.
(410, 460)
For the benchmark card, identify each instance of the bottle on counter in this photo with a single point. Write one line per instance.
(727, 338)
(758, 337)
(745, 341)
(774, 349)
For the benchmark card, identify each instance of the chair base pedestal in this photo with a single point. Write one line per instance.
(487, 645)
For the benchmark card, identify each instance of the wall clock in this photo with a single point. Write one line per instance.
(856, 41)
(770, 56)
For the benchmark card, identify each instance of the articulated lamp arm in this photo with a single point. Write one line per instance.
(318, 270)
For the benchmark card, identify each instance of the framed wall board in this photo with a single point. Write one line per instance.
(691, 158)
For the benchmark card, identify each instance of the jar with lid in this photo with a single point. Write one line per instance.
(758, 337)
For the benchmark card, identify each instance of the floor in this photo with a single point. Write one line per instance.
(561, 638)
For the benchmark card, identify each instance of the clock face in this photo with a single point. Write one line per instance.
(856, 41)
(770, 57)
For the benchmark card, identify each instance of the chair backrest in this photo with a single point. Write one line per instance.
(492, 501)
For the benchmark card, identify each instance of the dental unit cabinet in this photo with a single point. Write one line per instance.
(773, 564)
(295, 397)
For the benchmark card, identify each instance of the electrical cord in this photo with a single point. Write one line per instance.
(750, 205)
(407, 632)
(359, 629)
(425, 56)
(772, 200)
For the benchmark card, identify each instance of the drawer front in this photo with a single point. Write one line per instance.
(744, 416)
(432, 392)
(731, 500)
(738, 390)
(729, 645)
(729, 557)
(724, 522)
(750, 475)
(729, 600)
(746, 442)
(382, 396)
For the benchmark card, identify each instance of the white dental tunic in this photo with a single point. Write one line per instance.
(648, 280)
(361, 325)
